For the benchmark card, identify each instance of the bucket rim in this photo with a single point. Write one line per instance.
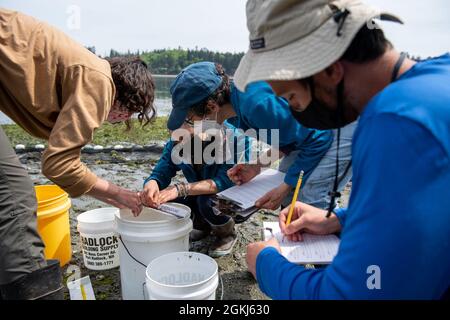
(50, 186)
(44, 213)
(93, 211)
(143, 223)
(157, 222)
(216, 273)
(183, 230)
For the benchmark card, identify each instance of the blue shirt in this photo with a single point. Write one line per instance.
(259, 108)
(399, 214)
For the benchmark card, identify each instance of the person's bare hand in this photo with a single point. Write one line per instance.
(168, 194)
(115, 203)
(307, 219)
(272, 200)
(150, 195)
(243, 173)
(255, 248)
(131, 200)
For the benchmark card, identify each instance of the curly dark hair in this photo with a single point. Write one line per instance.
(135, 88)
(221, 96)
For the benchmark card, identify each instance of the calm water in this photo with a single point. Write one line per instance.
(163, 102)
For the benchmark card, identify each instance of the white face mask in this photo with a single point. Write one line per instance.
(207, 124)
(206, 129)
(203, 126)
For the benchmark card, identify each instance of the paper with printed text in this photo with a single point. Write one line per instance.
(314, 249)
(247, 194)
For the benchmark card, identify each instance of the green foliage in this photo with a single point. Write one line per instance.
(107, 134)
(172, 61)
(19, 136)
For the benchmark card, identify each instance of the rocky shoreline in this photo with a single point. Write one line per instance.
(156, 147)
(128, 167)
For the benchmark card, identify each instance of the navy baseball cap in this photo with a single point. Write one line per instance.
(193, 85)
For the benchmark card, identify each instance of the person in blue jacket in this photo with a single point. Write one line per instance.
(395, 233)
(203, 181)
(312, 151)
(308, 150)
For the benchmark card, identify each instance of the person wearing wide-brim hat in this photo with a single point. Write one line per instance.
(333, 63)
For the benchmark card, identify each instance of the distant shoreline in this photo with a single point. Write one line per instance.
(172, 76)
(164, 75)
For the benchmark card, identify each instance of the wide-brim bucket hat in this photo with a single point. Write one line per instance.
(295, 39)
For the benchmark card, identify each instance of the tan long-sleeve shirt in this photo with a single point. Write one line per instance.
(55, 89)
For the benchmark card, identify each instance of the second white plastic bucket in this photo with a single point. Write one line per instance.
(145, 238)
(182, 276)
(98, 238)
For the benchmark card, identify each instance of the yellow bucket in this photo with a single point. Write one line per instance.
(53, 222)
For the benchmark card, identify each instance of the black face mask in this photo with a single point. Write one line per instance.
(318, 116)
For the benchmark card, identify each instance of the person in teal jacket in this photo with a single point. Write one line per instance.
(203, 181)
(303, 149)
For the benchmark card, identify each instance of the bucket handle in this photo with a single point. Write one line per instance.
(128, 251)
(221, 287)
(144, 292)
(143, 285)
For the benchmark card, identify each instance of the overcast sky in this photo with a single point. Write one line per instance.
(213, 24)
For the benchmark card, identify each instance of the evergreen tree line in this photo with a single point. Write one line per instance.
(172, 61)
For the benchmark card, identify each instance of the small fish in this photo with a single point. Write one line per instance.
(172, 210)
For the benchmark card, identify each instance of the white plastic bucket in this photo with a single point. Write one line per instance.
(182, 276)
(98, 238)
(145, 238)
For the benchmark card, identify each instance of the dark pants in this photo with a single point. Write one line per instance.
(21, 247)
(201, 208)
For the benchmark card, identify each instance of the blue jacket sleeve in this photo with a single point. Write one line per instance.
(314, 147)
(341, 214)
(395, 242)
(165, 169)
(262, 109)
(221, 179)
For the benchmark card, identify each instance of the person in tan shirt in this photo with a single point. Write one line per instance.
(57, 90)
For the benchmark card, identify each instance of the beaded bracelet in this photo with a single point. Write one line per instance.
(182, 189)
(177, 186)
(186, 189)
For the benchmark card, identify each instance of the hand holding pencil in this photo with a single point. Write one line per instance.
(307, 219)
(294, 199)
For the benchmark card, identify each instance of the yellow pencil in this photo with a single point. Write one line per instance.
(83, 292)
(294, 199)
